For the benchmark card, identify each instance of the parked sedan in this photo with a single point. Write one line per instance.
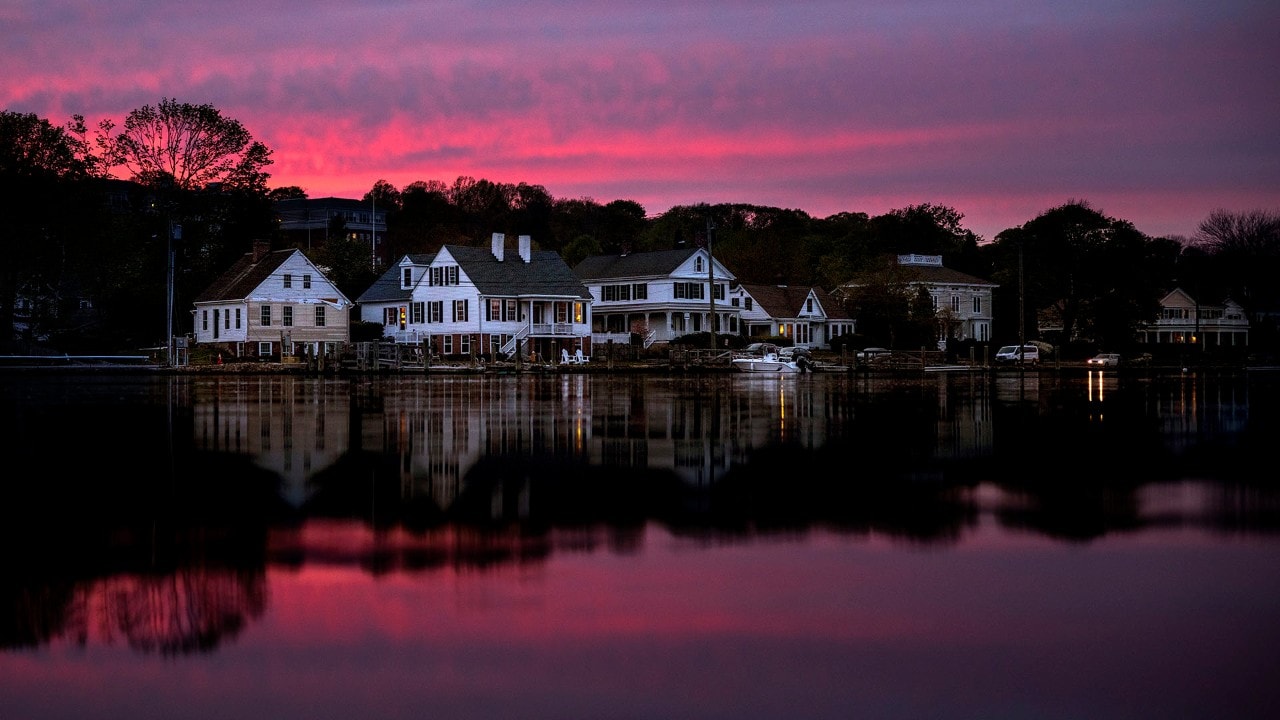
(1104, 360)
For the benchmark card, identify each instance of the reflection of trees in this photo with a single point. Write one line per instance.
(181, 612)
(186, 610)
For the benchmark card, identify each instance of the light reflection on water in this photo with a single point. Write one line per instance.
(641, 546)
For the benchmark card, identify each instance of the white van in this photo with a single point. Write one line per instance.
(1011, 354)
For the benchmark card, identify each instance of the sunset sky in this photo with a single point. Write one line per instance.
(1157, 111)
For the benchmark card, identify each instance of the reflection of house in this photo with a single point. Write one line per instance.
(1182, 320)
(469, 301)
(962, 302)
(659, 295)
(272, 303)
(307, 222)
(292, 427)
(809, 316)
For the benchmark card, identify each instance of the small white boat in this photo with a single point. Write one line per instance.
(764, 359)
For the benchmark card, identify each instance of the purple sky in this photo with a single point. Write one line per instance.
(1156, 112)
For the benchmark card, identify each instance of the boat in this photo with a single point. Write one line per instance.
(764, 358)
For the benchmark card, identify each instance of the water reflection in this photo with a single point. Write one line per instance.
(151, 509)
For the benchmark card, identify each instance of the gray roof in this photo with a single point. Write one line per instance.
(646, 264)
(244, 276)
(785, 301)
(545, 275)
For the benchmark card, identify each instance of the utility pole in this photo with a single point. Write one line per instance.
(711, 284)
(175, 233)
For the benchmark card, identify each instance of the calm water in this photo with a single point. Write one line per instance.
(581, 546)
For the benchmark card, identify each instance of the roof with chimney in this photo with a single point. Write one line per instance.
(544, 274)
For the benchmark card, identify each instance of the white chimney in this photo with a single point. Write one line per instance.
(498, 241)
(526, 250)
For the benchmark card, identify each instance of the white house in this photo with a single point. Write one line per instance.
(658, 295)
(467, 301)
(961, 302)
(807, 315)
(272, 303)
(1185, 321)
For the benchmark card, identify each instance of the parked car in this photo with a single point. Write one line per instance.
(794, 353)
(1018, 354)
(1105, 360)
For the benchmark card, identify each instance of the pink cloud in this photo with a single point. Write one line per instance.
(1166, 110)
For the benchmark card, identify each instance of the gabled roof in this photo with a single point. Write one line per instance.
(779, 301)
(245, 275)
(645, 264)
(784, 301)
(387, 287)
(546, 273)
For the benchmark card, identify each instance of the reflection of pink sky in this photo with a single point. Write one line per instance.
(1158, 113)
(818, 625)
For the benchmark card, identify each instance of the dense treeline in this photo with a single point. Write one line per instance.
(90, 252)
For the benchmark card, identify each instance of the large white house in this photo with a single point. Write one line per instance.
(468, 301)
(961, 302)
(272, 303)
(658, 295)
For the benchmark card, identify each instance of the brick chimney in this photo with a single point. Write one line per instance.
(498, 241)
(260, 249)
(526, 248)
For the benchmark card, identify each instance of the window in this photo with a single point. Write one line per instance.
(287, 316)
(416, 311)
(319, 316)
(562, 312)
(435, 311)
(446, 345)
(237, 318)
(264, 349)
(615, 293)
(689, 291)
(640, 291)
(226, 318)
(265, 318)
(955, 303)
(511, 313)
(288, 280)
(977, 303)
(809, 306)
(719, 291)
(215, 323)
(204, 320)
(390, 316)
(460, 311)
(464, 344)
(579, 312)
(747, 303)
(697, 264)
(452, 274)
(494, 311)
(406, 278)
(306, 282)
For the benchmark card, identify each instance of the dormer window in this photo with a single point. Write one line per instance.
(406, 278)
